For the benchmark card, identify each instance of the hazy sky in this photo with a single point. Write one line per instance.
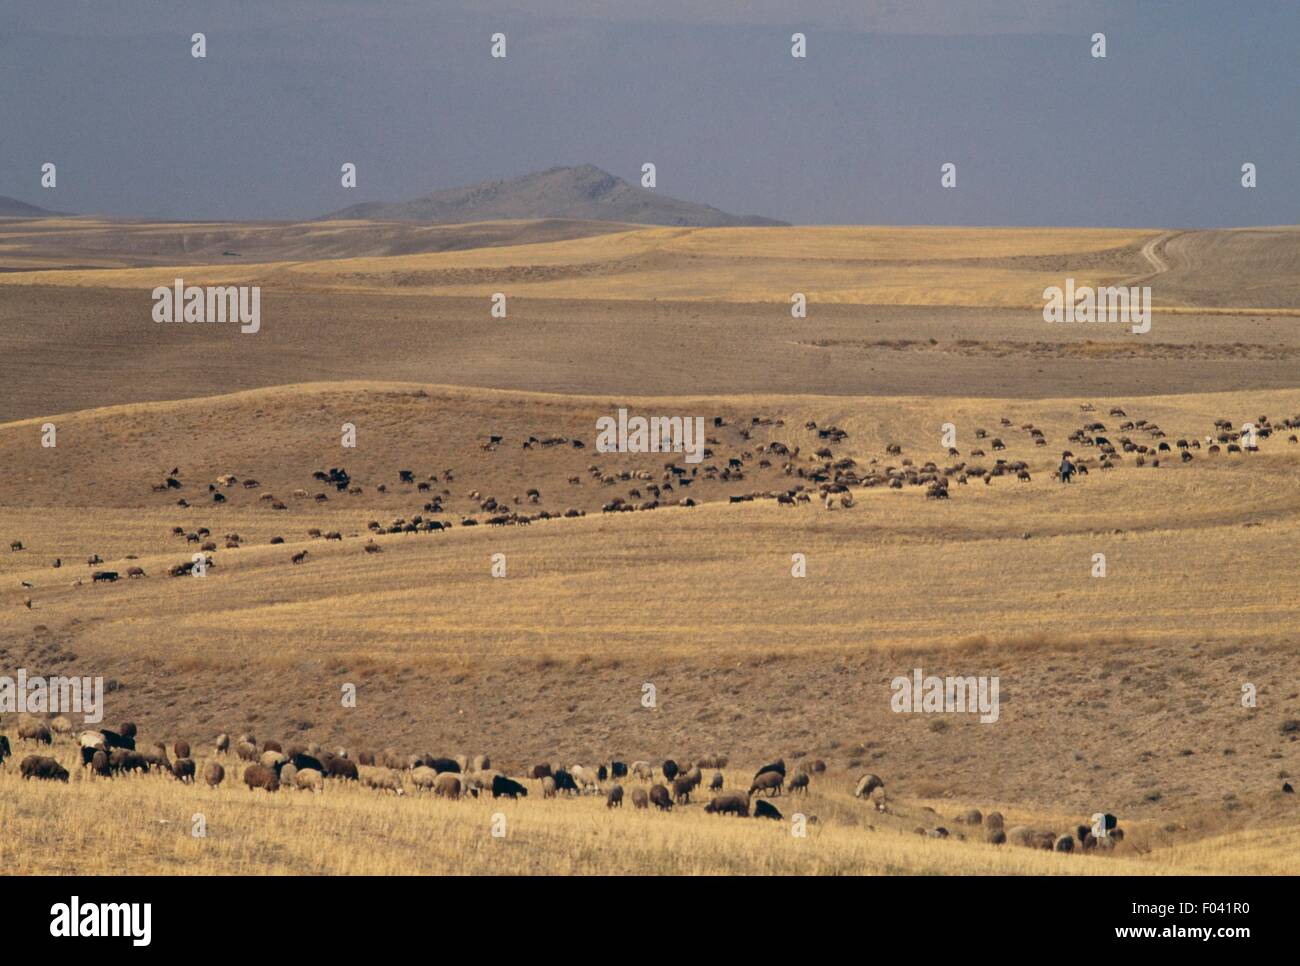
(1042, 133)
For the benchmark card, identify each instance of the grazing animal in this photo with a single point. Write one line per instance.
(448, 785)
(670, 769)
(799, 783)
(661, 799)
(732, 803)
(183, 769)
(682, 790)
(643, 770)
(259, 776)
(43, 767)
(640, 799)
(777, 766)
(507, 787)
(615, 797)
(764, 809)
(715, 783)
(5, 750)
(309, 779)
(618, 769)
(768, 781)
(381, 779)
(37, 731)
(181, 749)
(99, 764)
(540, 771)
(548, 787)
(214, 774)
(564, 782)
(125, 759)
(867, 784)
(341, 768)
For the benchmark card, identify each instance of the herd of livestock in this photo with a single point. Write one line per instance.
(272, 767)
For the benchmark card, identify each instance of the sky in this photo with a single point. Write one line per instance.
(1042, 133)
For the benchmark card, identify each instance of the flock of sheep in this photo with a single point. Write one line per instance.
(270, 767)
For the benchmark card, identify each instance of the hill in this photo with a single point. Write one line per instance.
(580, 192)
(13, 208)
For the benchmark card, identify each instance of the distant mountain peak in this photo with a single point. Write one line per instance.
(581, 191)
(13, 208)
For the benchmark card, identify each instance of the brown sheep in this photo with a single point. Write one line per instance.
(181, 749)
(183, 769)
(99, 764)
(682, 791)
(37, 731)
(715, 783)
(259, 776)
(223, 744)
(548, 788)
(661, 799)
(615, 797)
(733, 803)
(247, 751)
(341, 768)
(447, 784)
(768, 781)
(214, 774)
(799, 783)
(42, 767)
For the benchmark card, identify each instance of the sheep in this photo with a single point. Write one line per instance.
(447, 785)
(222, 744)
(37, 731)
(540, 771)
(309, 779)
(867, 785)
(259, 776)
(643, 770)
(5, 750)
(99, 764)
(181, 749)
(126, 759)
(715, 783)
(247, 751)
(768, 781)
(481, 763)
(381, 779)
(682, 791)
(669, 769)
(42, 767)
(799, 783)
(615, 797)
(61, 725)
(640, 799)
(585, 778)
(214, 774)
(662, 801)
(274, 759)
(507, 787)
(423, 777)
(564, 781)
(777, 767)
(548, 787)
(764, 809)
(91, 739)
(287, 774)
(732, 803)
(183, 769)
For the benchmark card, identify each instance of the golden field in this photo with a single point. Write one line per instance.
(1120, 693)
